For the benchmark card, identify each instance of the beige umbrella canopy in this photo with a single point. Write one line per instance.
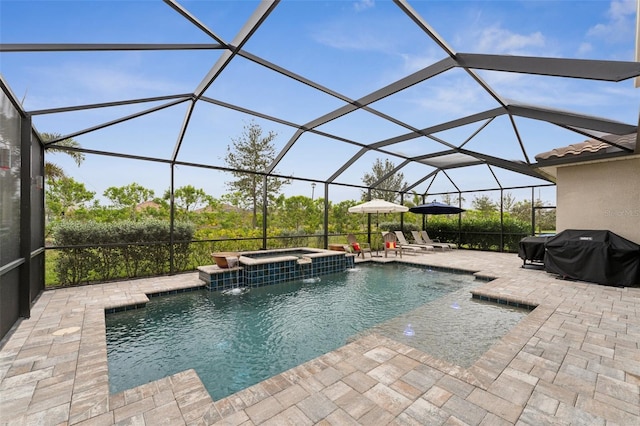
(378, 206)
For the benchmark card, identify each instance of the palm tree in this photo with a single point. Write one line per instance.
(51, 170)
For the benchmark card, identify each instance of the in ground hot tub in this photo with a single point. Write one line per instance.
(267, 267)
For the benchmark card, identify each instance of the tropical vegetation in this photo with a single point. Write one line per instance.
(133, 235)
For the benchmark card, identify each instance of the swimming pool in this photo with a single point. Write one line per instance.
(236, 341)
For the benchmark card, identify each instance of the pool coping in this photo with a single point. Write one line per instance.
(575, 356)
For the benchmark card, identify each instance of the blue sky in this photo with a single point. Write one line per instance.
(351, 47)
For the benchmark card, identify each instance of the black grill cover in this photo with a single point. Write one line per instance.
(532, 248)
(593, 255)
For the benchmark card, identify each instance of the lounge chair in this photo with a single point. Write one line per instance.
(358, 248)
(391, 244)
(436, 245)
(405, 243)
(428, 240)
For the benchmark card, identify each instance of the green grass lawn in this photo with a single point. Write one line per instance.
(50, 277)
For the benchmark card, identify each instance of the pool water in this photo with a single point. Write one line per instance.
(236, 341)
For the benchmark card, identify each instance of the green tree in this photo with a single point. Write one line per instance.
(250, 153)
(189, 198)
(545, 217)
(128, 197)
(451, 200)
(546, 220)
(413, 199)
(230, 214)
(484, 205)
(234, 199)
(389, 188)
(100, 214)
(52, 170)
(508, 201)
(299, 213)
(63, 195)
(341, 221)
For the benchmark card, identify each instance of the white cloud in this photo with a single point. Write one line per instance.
(413, 63)
(564, 95)
(620, 9)
(498, 40)
(363, 5)
(456, 99)
(584, 48)
(103, 80)
(344, 38)
(620, 23)
(100, 81)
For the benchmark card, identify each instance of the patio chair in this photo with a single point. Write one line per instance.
(391, 244)
(436, 245)
(406, 244)
(428, 240)
(358, 248)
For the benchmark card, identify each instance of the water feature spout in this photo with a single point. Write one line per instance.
(306, 264)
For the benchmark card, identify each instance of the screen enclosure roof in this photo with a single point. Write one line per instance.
(457, 95)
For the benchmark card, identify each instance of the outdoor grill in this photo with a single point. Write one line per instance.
(598, 256)
(532, 249)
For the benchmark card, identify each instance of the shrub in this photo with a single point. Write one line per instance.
(476, 231)
(223, 240)
(93, 251)
(479, 232)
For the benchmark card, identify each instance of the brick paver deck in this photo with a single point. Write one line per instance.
(575, 359)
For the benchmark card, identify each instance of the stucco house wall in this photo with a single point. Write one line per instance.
(600, 195)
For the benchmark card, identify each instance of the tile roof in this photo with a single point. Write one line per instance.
(590, 148)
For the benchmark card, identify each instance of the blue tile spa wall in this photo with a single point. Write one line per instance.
(270, 273)
(276, 272)
(223, 280)
(350, 262)
(329, 265)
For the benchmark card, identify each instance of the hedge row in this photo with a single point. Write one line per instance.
(481, 233)
(127, 249)
(105, 251)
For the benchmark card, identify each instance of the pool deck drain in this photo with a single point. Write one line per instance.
(575, 359)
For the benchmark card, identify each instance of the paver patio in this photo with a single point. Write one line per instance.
(575, 359)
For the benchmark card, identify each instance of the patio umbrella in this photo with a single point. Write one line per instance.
(436, 208)
(378, 206)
